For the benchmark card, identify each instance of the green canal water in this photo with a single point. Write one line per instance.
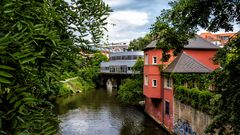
(98, 112)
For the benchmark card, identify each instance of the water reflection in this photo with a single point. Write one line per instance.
(98, 113)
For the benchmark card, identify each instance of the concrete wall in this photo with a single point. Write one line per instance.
(186, 117)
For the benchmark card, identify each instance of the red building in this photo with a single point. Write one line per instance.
(158, 89)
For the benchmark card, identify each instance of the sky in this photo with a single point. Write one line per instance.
(131, 19)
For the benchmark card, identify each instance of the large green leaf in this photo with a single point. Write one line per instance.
(26, 60)
(6, 67)
(3, 80)
(5, 74)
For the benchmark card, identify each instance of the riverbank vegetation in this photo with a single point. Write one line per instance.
(131, 89)
(38, 43)
(84, 77)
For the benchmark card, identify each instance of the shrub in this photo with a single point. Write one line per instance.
(130, 91)
(199, 99)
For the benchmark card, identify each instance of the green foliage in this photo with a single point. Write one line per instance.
(175, 26)
(75, 85)
(202, 81)
(82, 79)
(228, 85)
(64, 89)
(140, 43)
(199, 99)
(168, 36)
(130, 91)
(210, 14)
(38, 42)
(138, 66)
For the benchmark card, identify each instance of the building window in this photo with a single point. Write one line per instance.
(225, 37)
(168, 82)
(145, 80)
(134, 57)
(154, 83)
(154, 60)
(129, 68)
(167, 106)
(146, 59)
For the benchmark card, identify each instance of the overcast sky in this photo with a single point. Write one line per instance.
(133, 18)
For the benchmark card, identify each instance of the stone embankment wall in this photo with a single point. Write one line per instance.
(189, 120)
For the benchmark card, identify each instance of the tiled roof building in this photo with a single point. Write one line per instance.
(217, 39)
(195, 43)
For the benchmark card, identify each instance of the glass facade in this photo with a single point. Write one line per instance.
(121, 62)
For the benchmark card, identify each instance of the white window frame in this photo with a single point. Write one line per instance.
(153, 60)
(166, 82)
(153, 85)
(145, 80)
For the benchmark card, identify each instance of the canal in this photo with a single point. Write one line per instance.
(98, 112)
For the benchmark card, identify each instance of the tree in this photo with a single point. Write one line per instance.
(130, 91)
(138, 66)
(140, 43)
(176, 25)
(37, 39)
(227, 82)
(183, 20)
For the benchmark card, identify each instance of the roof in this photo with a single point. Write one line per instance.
(126, 53)
(200, 43)
(129, 63)
(184, 63)
(151, 45)
(194, 43)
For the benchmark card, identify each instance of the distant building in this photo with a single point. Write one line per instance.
(217, 39)
(121, 62)
(118, 47)
(113, 47)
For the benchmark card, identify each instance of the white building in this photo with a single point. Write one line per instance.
(121, 62)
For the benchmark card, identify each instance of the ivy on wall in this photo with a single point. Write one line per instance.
(203, 100)
(200, 81)
(196, 93)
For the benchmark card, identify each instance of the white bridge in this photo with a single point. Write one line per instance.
(119, 66)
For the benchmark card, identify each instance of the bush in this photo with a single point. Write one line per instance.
(199, 99)
(131, 91)
(75, 86)
(64, 89)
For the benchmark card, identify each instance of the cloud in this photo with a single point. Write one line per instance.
(117, 3)
(125, 36)
(130, 17)
(124, 25)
